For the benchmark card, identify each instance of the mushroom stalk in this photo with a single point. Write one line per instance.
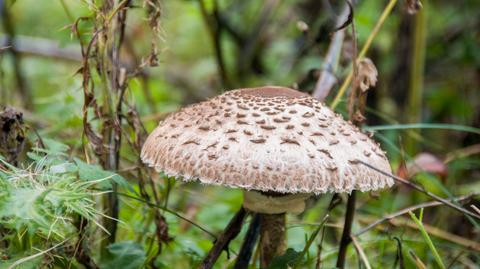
(272, 237)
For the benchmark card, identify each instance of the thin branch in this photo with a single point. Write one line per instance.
(347, 227)
(476, 209)
(361, 253)
(422, 190)
(411, 208)
(169, 211)
(231, 231)
(362, 53)
(248, 245)
(437, 232)
(346, 236)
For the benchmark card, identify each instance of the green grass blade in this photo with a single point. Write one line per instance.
(310, 241)
(427, 239)
(453, 127)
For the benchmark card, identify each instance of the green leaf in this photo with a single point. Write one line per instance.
(126, 255)
(63, 168)
(426, 237)
(89, 172)
(54, 146)
(286, 260)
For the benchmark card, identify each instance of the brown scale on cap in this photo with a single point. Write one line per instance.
(284, 140)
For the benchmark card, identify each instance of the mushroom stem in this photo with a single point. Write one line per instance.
(272, 237)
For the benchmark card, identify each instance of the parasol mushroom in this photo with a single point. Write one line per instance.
(279, 145)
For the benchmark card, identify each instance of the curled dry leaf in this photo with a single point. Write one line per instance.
(358, 117)
(367, 74)
(413, 6)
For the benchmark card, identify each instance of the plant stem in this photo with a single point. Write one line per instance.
(248, 243)
(411, 208)
(231, 231)
(347, 227)
(414, 105)
(364, 50)
(422, 190)
(272, 237)
(418, 221)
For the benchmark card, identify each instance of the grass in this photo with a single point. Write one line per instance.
(426, 237)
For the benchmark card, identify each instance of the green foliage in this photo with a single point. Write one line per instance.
(126, 254)
(96, 175)
(286, 261)
(426, 237)
(43, 203)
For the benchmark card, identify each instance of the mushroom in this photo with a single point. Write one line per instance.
(279, 145)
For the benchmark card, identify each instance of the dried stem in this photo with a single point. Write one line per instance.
(347, 227)
(356, 103)
(409, 209)
(248, 243)
(361, 253)
(422, 190)
(364, 50)
(231, 231)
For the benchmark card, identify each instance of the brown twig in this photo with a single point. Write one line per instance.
(248, 245)
(319, 247)
(231, 231)
(347, 227)
(360, 252)
(170, 211)
(436, 232)
(409, 209)
(422, 190)
(360, 106)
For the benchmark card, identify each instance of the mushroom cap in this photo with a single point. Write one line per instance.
(266, 139)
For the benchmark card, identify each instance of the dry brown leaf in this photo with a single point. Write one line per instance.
(367, 74)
